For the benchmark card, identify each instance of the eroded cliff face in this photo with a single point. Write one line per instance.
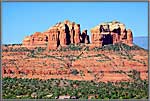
(111, 33)
(67, 32)
(61, 34)
(37, 38)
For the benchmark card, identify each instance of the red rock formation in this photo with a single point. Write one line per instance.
(114, 37)
(65, 33)
(111, 33)
(62, 34)
(26, 40)
(129, 37)
(123, 31)
(84, 37)
(77, 34)
(96, 37)
(53, 38)
(36, 39)
(87, 39)
(72, 32)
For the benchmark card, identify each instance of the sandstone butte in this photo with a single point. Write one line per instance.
(64, 51)
(65, 33)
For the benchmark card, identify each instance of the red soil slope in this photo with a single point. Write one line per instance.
(101, 65)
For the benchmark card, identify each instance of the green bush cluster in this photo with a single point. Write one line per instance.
(118, 47)
(36, 51)
(40, 49)
(11, 45)
(25, 88)
(73, 47)
(74, 71)
(21, 49)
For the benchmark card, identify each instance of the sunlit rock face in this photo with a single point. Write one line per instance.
(61, 34)
(37, 38)
(111, 33)
(67, 32)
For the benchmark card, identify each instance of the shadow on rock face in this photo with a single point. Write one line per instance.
(68, 41)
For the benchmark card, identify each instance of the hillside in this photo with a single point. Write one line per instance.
(75, 62)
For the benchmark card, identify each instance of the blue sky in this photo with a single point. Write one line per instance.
(20, 19)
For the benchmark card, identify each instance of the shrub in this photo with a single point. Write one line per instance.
(40, 49)
(74, 47)
(13, 87)
(74, 72)
(118, 47)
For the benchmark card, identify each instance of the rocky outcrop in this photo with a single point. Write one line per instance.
(129, 37)
(37, 38)
(26, 40)
(85, 37)
(111, 33)
(64, 33)
(61, 34)
(67, 32)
